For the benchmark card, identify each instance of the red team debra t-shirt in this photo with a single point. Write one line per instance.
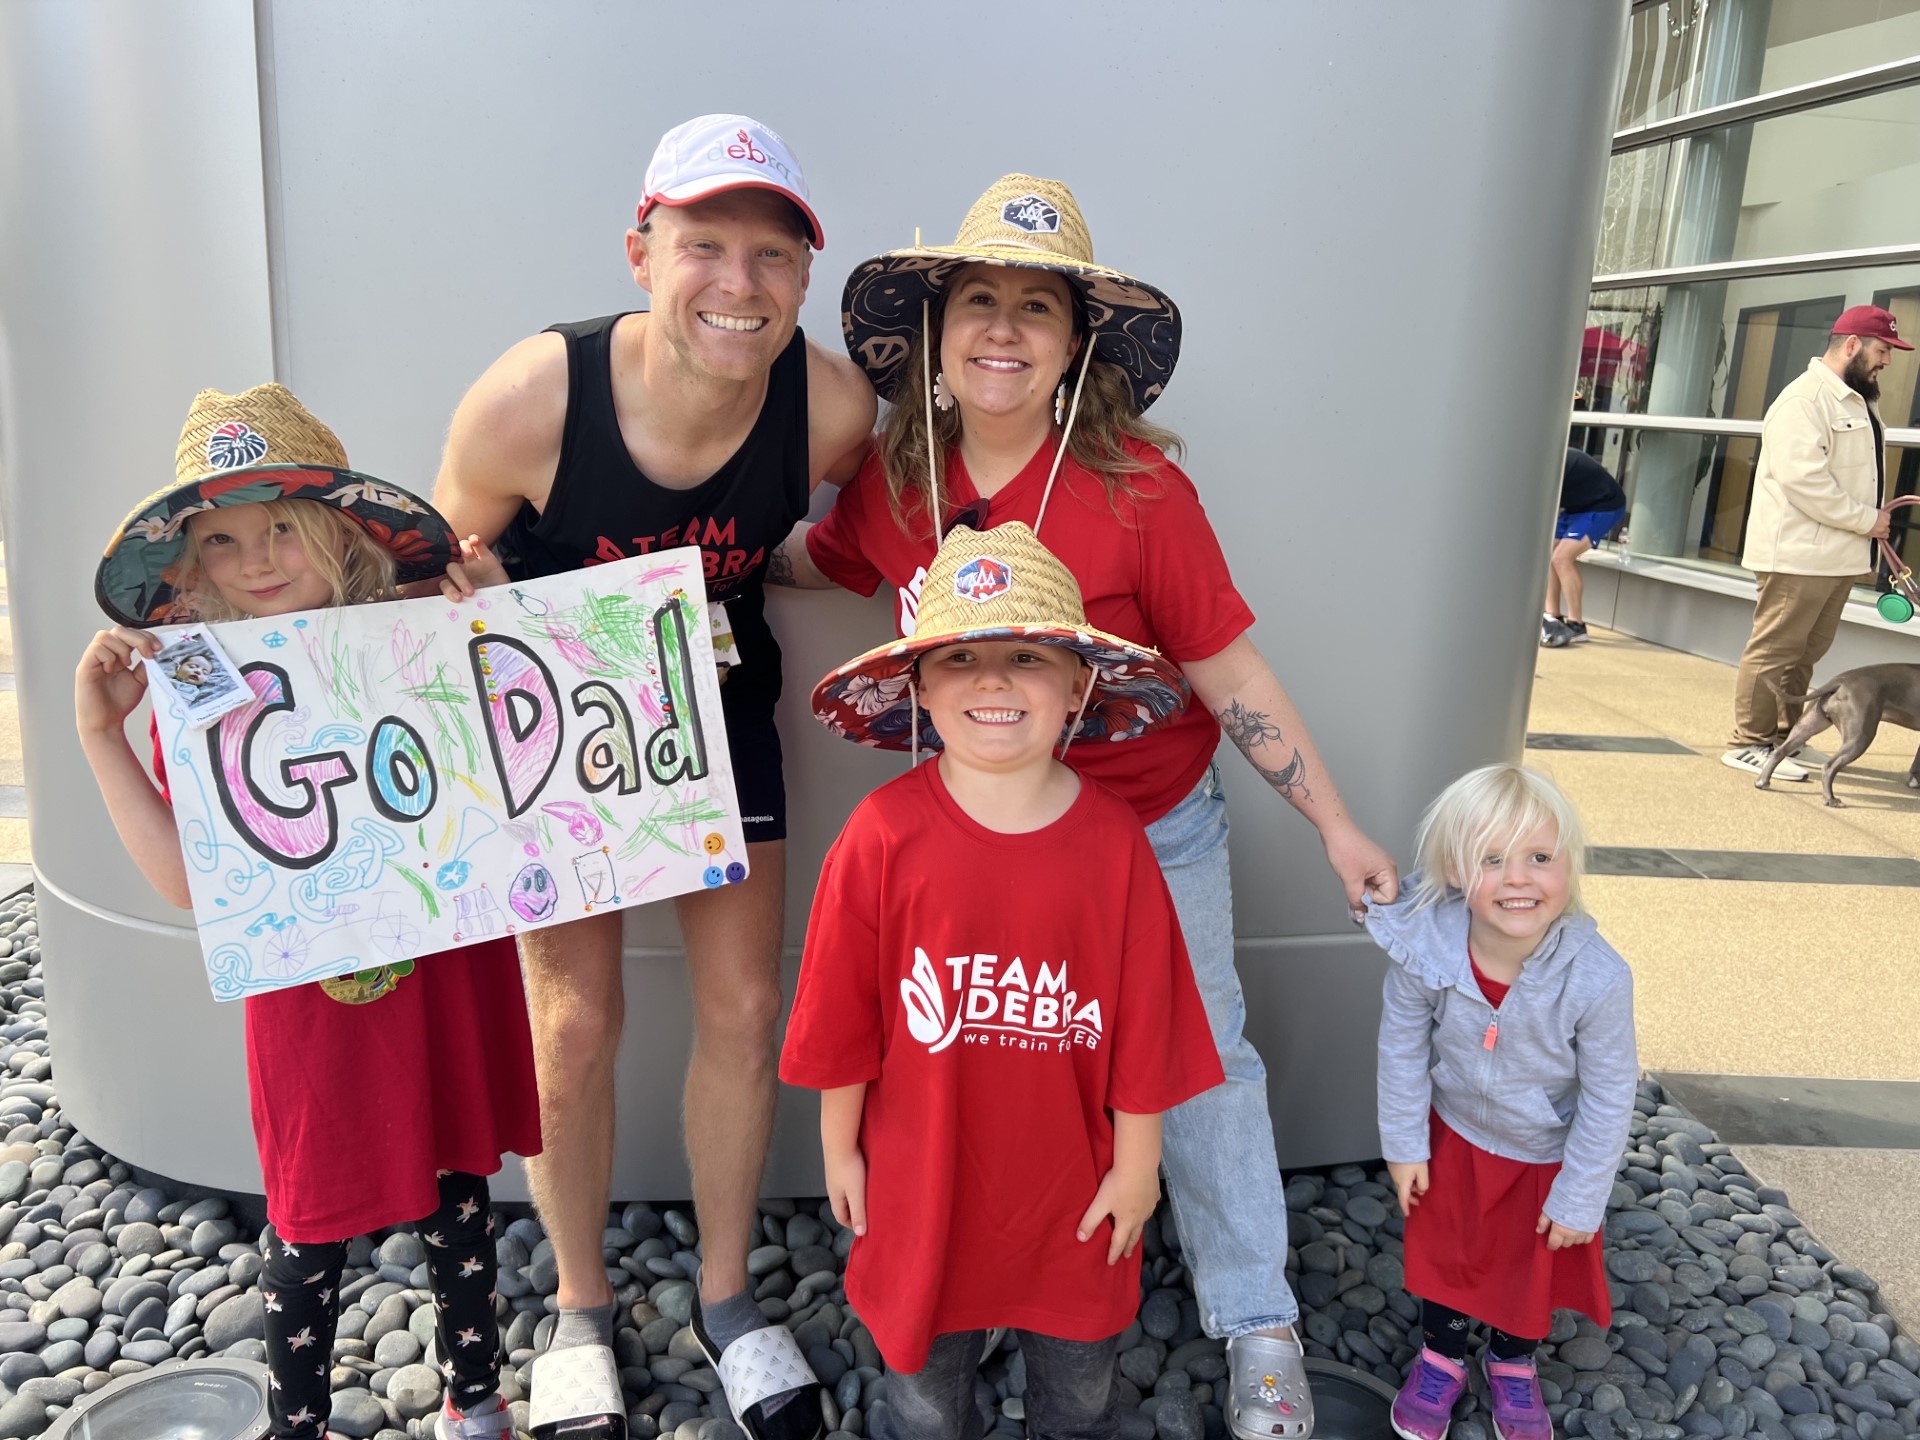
(1152, 573)
(999, 995)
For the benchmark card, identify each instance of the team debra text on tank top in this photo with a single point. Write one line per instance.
(603, 507)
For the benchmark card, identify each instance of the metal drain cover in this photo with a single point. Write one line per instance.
(214, 1399)
(1349, 1404)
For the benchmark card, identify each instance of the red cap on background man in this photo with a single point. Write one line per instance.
(712, 154)
(1870, 322)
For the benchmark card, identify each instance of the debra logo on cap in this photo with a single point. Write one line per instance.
(712, 154)
(1870, 322)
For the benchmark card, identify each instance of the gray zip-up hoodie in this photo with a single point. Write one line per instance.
(1548, 1077)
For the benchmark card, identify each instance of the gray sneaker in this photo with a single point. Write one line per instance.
(1753, 758)
(1554, 634)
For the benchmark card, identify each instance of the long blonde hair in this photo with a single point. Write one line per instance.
(1107, 419)
(357, 568)
(1483, 813)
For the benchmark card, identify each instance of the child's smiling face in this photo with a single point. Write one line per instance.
(1519, 891)
(257, 564)
(1001, 703)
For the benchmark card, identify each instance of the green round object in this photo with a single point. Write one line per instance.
(1895, 607)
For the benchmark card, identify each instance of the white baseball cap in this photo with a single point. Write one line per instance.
(712, 154)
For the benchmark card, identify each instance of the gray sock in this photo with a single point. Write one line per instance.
(727, 1320)
(591, 1326)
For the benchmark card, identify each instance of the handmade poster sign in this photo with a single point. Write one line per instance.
(416, 776)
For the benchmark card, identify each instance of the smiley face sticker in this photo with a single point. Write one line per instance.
(715, 843)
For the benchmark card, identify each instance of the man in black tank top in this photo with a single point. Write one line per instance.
(706, 420)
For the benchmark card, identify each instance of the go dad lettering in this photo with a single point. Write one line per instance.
(526, 729)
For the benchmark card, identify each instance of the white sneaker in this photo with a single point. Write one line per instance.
(1752, 758)
(1809, 756)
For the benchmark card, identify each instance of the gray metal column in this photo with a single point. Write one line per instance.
(1378, 220)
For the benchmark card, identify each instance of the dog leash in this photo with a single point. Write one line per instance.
(1900, 602)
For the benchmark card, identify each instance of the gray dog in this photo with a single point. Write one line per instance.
(1854, 701)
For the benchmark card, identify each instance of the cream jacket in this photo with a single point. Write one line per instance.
(1816, 492)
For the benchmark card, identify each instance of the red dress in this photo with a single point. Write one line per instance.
(1472, 1243)
(356, 1106)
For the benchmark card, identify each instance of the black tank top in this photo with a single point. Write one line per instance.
(603, 507)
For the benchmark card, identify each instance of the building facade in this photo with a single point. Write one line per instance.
(1765, 176)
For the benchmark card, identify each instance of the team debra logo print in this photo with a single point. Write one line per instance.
(1036, 1012)
(746, 149)
(983, 579)
(1031, 214)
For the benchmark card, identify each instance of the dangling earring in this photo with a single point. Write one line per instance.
(1060, 403)
(941, 399)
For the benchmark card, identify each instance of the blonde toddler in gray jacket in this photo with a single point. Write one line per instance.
(1506, 1084)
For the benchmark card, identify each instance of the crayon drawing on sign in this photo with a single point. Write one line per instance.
(412, 777)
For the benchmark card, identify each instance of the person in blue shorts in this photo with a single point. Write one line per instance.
(1592, 505)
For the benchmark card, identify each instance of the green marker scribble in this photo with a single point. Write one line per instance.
(606, 815)
(652, 828)
(428, 900)
(602, 636)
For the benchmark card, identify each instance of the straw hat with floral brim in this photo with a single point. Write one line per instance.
(1030, 224)
(988, 585)
(245, 449)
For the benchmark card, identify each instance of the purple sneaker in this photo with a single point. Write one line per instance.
(1519, 1409)
(1424, 1407)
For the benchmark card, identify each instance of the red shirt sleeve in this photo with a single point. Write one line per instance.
(1186, 590)
(834, 542)
(1163, 1050)
(159, 761)
(834, 1035)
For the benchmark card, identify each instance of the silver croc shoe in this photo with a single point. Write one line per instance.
(1268, 1395)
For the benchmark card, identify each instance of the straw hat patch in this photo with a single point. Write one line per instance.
(1032, 214)
(982, 579)
(234, 444)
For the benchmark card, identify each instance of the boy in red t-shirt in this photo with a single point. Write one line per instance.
(995, 998)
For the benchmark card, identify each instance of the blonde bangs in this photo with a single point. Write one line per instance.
(1485, 812)
(356, 567)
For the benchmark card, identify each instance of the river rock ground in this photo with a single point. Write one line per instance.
(1731, 1320)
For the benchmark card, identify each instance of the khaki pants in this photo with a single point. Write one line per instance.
(1794, 621)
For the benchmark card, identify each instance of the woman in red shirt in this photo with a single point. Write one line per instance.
(1045, 362)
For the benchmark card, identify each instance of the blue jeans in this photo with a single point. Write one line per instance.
(1222, 1177)
(1069, 1390)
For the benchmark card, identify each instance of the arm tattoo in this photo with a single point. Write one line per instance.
(1247, 728)
(1251, 730)
(780, 566)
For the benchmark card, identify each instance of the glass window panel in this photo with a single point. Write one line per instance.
(1843, 177)
(1687, 54)
(1728, 347)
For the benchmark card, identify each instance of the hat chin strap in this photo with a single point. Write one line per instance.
(926, 376)
(1093, 678)
(1058, 455)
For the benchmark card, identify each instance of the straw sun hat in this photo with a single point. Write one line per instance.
(1028, 223)
(998, 584)
(244, 449)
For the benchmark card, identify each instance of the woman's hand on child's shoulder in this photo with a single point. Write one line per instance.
(1409, 1182)
(476, 569)
(1559, 1237)
(110, 679)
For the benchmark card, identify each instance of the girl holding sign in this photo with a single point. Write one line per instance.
(378, 1098)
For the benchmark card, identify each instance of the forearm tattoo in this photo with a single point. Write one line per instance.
(1252, 731)
(780, 566)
